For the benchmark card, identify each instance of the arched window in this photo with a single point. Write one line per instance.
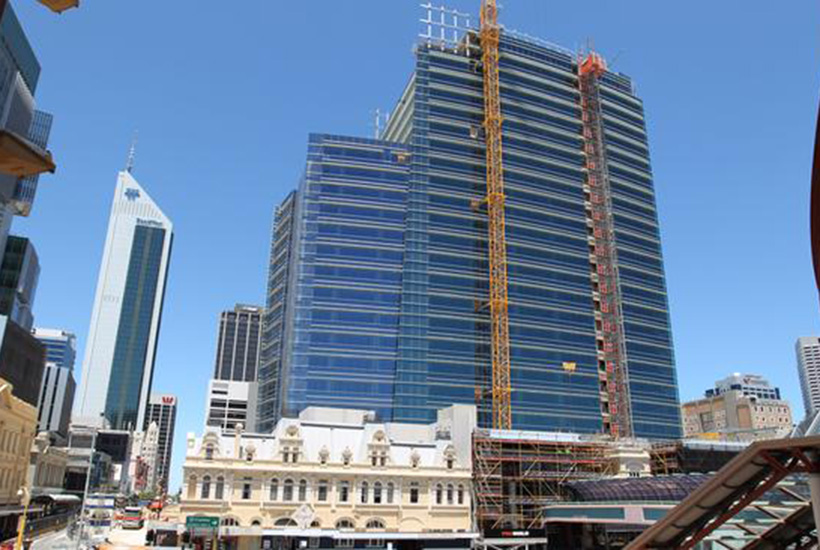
(391, 489)
(192, 487)
(274, 489)
(450, 494)
(345, 524)
(375, 524)
(219, 492)
(256, 523)
(364, 490)
(315, 524)
(439, 493)
(206, 487)
(285, 522)
(461, 494)
(288, 492)
(377, 492)
(209, 452)
(302, 491)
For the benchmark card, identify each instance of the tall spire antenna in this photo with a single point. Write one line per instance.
(132, 153)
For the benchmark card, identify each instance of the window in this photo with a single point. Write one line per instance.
(191, 486)
(377, 493)
(461, 494)
(414, 493)
(364, 490)
(322, 491)
(373, 460)
(390, 491)
(450, 463)
(375, 524)
(343, 543)
(246, 488)
(206, 487)
(345, 524)
(219, 492)
(302, 491)
(274, 489)
(344, 491)
(209, 452)
(287, 495)
(450, 494)
(383, 461)
(439, 493)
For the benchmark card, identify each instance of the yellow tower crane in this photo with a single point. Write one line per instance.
(497, 243)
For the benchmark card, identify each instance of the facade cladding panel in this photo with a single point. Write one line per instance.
(124, 390)
(431, 230)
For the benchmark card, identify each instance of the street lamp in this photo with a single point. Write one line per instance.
(87, 486)
(25, 495)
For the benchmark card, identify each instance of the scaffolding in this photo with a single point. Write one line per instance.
(615, 403)
(516, 475)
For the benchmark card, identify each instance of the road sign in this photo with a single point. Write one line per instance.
(201, 522)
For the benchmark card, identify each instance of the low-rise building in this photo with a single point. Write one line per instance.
(739, 408)
(18, 426)
(48, 463)
(333, 477)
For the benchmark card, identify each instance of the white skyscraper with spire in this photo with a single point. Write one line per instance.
(122, 339)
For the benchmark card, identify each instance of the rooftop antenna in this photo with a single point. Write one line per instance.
(132, 153)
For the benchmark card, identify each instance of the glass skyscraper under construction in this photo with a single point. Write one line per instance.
(379, 267)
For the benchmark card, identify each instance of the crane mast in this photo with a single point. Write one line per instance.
(490, 36)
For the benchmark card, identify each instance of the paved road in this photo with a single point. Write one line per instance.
(53, 541)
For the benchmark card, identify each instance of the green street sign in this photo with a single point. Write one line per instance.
(201, 522)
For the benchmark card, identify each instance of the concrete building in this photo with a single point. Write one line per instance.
(162, 411)
(748, 384)
(232, 391)
(123, 335)
(48, 464)
(336, 475)
(735, 411)
(231, 403)
(807, 350)
(19, 275)
(142, 467)
(21, 361)
(58, 386)
(379, 260)
(108, 451)
(18, 427)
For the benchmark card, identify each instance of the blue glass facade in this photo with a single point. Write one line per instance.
(396, 267)
(346, 285)
(127, 369)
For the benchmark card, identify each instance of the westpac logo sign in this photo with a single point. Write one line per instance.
(132, 194)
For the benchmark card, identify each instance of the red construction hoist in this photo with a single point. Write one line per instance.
(612, 366)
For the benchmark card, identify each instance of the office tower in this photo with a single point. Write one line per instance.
(381, 299)
(808, 369)
(742, 407)
(125, 321)
(237, 351)
(19, 274)
(61, 346)
(26, 188)
(58, 386)
(232, 392)
(162, 411)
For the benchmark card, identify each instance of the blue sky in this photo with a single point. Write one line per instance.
(224, 95)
